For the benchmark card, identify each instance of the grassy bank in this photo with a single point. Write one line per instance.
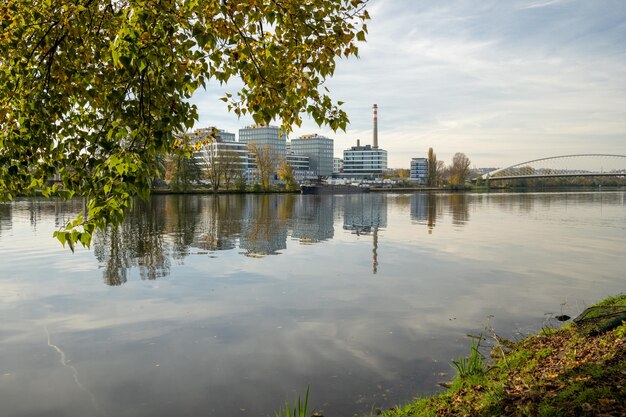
(566, 372)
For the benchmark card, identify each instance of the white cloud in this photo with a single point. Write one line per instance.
(496, 80)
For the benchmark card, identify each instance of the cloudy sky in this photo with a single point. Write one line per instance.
(504, 81)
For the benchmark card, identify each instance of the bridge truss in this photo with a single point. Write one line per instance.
(583, 165)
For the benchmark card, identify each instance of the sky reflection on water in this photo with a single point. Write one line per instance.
(229, 305)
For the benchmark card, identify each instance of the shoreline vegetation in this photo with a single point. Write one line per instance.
(407, 189)
(205, 190)
(577, 370)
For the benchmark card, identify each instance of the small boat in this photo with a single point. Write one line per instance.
(333, 189)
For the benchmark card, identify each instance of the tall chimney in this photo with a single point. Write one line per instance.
(358, 143)
(375, 115)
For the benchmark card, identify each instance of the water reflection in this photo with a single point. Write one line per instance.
(169, 229)
(264, 229)
(139, 242)
(365, 214)
(232, 330)
(314, 219)
(459, 209)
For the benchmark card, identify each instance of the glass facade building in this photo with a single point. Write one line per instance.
(271, 136)
(320, 151)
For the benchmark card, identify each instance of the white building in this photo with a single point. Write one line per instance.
(364, 161)
(220, 147)
(337, 166)
(419, 170)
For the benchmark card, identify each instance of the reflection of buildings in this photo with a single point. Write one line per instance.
(313, 219)
(219, 222)
(424, 209)
(262, 231)
(364, 214)
(419, 207)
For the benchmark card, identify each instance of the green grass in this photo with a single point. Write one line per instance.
(298, 409)
(616, 300)
(556, 373)
(472, 364)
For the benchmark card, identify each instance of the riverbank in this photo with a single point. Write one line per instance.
(565, 372)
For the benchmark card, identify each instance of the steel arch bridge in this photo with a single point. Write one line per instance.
(582, 165)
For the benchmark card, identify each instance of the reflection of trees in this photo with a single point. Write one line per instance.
(137, 242)
(263, 232)
(459, 208)
(219, 222)
(432, 212)
(61, 210)
(424, 209)
(363, 212)
(6, 217)
(180, 226)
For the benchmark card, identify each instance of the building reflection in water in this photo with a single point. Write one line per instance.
(219, 222)
(264, 228)
(364, 214)
(313, 219)
(424, 209)
(170, 228)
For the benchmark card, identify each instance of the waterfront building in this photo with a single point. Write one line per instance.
(298, 162)
(367, 161)
(337, 166)
(271, 136)
(364, 161)
(221, 147)
(419, 170)
(301, 167)
(320, 151)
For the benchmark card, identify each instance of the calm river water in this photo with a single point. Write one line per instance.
(227, 306)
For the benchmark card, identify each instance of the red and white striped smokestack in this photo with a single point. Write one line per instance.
(375, 138)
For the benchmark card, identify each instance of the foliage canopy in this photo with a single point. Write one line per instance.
(94, 90)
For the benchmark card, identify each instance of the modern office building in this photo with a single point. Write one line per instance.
(221, 148)
(337, 166)
(364, 161)
(271, 136)
(419, 170)
(320, 151)
(298, 162)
